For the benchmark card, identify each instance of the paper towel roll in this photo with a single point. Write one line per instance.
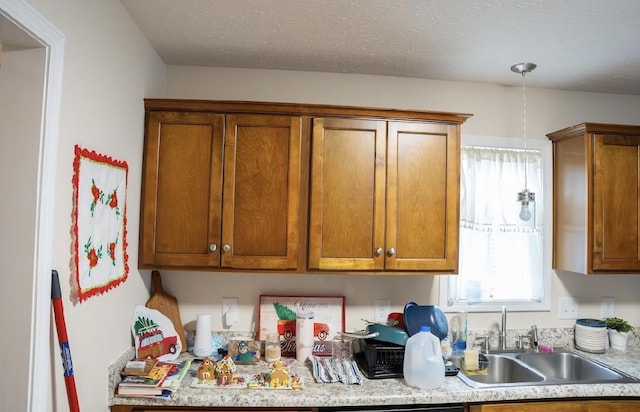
(203, 345)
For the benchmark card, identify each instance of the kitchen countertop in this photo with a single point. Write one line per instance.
(379, 391)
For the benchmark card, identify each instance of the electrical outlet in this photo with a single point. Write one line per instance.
(607, 307)
(382, 308)
(230, 311)
(568, 308)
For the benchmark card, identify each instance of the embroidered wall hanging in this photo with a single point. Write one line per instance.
(99, 234)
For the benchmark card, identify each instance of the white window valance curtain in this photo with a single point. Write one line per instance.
(500, 255)
(490, 181)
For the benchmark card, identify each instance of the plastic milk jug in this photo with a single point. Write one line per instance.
(423, 363)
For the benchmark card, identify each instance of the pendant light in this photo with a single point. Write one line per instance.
(525, 197)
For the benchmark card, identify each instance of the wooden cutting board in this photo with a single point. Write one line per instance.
(167, 305)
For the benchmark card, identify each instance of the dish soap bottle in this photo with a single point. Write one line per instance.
(423, 364)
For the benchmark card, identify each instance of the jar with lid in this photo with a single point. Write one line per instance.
(272, 348)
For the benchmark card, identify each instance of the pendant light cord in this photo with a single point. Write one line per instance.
(524, 124)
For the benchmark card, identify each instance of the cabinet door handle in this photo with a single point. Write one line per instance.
(213, 247)
(391, 252)
(226, 248)
(379, 251)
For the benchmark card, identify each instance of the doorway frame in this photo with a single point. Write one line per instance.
(32, 22)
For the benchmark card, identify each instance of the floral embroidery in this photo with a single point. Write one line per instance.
(112, 252)
(98, 195)
(92, 255)
(113, 202)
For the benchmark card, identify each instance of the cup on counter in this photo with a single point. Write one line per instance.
(341, 347)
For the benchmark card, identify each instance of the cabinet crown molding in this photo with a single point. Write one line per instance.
(299, 109)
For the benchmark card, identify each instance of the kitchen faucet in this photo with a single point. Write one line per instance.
(503, 330)
(533, 336)
(533, 339)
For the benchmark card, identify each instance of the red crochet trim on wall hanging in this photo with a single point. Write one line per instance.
(99, 228)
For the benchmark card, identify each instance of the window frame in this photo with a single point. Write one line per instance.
(544, 305)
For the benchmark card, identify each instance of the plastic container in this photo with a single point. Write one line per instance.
(458, 327)
(423, 364)
(445, 346)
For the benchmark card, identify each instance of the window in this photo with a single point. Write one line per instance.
(503, 260)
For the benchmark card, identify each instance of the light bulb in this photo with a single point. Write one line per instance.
(525, 213)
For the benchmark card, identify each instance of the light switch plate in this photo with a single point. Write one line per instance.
(607, 307)
(568, 308)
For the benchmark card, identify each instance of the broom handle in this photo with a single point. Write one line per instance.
(63, 340)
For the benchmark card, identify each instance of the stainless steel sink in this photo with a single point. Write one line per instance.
(504, 371)
(532, 368)
(569, 367)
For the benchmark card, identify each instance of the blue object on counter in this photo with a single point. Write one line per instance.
(459, 346)
(416, 316)
(592, 323)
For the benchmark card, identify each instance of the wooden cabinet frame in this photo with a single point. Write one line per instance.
(223, 194)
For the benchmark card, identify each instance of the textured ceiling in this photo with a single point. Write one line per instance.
(587, 45)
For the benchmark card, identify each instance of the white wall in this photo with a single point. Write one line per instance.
(21, 83)
(497, 111)
(109, 67)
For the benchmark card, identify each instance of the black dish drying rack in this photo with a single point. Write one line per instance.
(379, 360)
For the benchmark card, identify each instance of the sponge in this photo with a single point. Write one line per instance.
(545, 348)
(471, 362)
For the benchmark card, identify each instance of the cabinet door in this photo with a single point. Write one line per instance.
(560, 406)
(616, 244)
(347, 205)
(181, 189)
(423, 176)
(261, 192)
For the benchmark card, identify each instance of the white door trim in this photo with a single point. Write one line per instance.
(25, 16)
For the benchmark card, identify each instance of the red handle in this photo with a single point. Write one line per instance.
(63, 340)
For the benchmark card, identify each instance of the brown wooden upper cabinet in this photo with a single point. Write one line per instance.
(220, 190)
(384, 195)
(596, 211)
(285, 187)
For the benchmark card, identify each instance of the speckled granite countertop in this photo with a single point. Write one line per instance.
(379, 391)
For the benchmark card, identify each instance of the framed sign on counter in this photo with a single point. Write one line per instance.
(278, 313)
